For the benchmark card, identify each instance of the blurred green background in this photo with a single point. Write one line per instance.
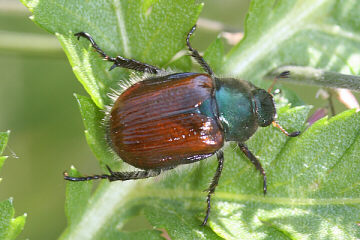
(37, 105)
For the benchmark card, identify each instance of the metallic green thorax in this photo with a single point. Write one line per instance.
(242, 108)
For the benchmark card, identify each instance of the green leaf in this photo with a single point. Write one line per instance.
(142, 30)
(313, 190)
(10, 227)
(309, 197)
(95, 132)
(301, 178)
(323, 34)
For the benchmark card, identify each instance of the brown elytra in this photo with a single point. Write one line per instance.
(157, 123)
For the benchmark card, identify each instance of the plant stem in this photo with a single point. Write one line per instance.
(29, 43)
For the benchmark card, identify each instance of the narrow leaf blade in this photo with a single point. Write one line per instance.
(10, 227)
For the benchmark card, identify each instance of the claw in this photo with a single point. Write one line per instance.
(78, 35)
(113, 66)
(109, 169)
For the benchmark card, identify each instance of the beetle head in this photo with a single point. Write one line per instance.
(264, 107)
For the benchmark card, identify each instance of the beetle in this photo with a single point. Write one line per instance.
(169, 119)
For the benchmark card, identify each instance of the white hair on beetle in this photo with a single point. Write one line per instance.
(134, 78)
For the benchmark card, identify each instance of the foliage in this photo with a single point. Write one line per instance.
(10, 227)
(313, 190)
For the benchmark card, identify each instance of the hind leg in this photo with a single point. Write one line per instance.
(117, 176)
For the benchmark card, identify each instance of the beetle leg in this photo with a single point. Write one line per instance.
(123, 176)
(120, 61)
(254, 161)
(195, 54)
(117, 176)
(214, 183)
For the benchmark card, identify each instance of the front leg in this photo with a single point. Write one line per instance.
(254, 161)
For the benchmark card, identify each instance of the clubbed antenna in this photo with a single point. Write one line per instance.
(285, 74)
(292, 134)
